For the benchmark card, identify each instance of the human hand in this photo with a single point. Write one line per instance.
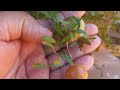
(82, 57)
(20, 35)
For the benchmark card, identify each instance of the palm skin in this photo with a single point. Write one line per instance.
(20, 47)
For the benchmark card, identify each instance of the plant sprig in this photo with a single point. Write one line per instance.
(66, 31)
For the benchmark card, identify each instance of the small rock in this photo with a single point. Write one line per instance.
(106, 66)
(114, 34)
(94, 73)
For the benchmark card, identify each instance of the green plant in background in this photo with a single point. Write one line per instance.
(105, 20)
(36, 14)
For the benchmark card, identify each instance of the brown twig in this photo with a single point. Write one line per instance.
(68, 50)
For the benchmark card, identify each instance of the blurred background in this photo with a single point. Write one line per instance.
(107, 56)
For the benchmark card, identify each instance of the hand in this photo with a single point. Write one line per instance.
(19, 37)
(20, 48)
(79, 57)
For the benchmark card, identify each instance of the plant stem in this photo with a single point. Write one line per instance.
(68, 50)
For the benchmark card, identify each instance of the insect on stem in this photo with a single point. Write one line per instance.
(68, 50)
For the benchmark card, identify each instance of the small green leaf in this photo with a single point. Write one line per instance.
(81, 32)
(72, 36)
(52, 15)
(85, 40)
(65, 39)
(39, 66)
(73, 44)
(74, 22)
(48, 39)
(83, 36)
(64, 26)
(55, 35)
(46, 13)
(55, 63)
(77, 21)
(73, 26)
(48, 44)
(46, 49)
(59, 20)
(66, 57)
(58, 29)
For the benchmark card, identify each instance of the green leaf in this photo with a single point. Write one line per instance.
(39, 65)
(65, 39)
(64, 26)
(72, 36)
(66, 57)
(74, 26)
(46, 49)
(46, 13)
(48, 39)
(77, 21)
(74, 22)
(73, 44)
(85, 40)
(81, 32)
(83, 36)
(55, 35)
(55, 17)
(55, 63)
(48, 44)
(58, 29)
(52, 15)
(58, 19)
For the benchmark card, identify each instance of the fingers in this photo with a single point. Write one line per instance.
(95, 43)
(8, 54)
(75, 52)
(86, 61)
(90, 29)
(21, 72)
(26, 49)
(36, 57)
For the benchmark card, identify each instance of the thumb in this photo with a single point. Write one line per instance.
(20, 25)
